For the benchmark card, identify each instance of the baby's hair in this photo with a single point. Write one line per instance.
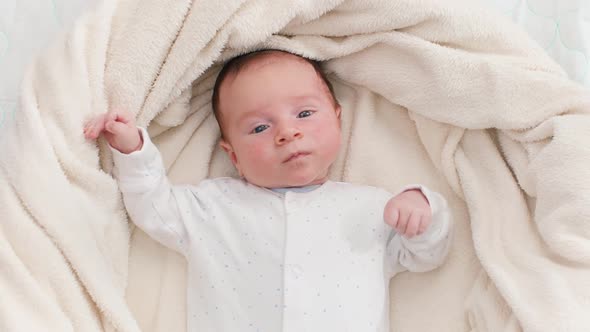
(237, 64)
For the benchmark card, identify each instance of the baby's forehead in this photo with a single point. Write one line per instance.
(279, 62)
(238, 74)
(275, 59)
(279, 57)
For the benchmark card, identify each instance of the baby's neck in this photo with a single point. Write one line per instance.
(302, 189)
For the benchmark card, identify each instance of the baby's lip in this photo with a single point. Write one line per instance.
(295, 155)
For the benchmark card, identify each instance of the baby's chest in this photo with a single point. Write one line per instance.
(349, 237)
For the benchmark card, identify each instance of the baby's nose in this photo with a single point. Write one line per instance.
(287, 135)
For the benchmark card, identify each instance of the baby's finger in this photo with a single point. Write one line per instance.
(394, 218)
(424, 223)
(111, 116)
(125, 116)
(413, 224)
(88, 128)
(403, 221)
(97, 128)
(116, 128)
(89, 124)
(422, 227)
(121, 116)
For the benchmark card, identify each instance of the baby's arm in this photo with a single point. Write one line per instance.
(428, 249)
(151, 201)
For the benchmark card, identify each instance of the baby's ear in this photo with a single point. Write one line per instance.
(230, 152)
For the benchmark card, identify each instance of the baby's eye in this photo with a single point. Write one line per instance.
(304, 114)
(259, 129)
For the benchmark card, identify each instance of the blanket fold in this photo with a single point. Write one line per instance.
(442, 93)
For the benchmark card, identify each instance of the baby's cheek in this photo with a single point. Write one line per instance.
(330, 140)
(257, 155)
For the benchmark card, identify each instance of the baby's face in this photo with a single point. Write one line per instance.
(281, 126)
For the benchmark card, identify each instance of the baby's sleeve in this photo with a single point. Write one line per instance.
(153, 204)
(428, 250)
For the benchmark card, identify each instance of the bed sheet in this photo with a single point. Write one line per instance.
(561, 27)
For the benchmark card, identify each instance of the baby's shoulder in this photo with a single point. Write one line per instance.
(349, 188)
(220, 184)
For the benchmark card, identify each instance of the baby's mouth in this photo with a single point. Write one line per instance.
(294, 156)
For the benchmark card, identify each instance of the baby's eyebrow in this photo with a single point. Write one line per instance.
(260, 110)
(306, 98)
(247, 115)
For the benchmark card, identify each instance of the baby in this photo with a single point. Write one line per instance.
(282, 248)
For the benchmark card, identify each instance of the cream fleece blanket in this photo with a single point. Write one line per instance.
(444, 94)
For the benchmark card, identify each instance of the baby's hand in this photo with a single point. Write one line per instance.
(118, 128)
(409, 213)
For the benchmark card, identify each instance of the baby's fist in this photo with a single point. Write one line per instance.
(408, 213)
(118, 128)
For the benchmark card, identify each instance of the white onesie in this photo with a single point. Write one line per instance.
(260, 260)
